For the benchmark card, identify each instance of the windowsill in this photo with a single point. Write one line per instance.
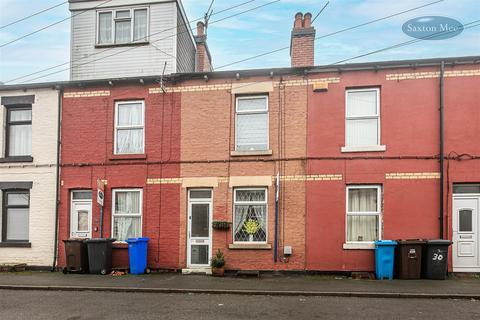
(249, 246)
(251, 153)
(129, 44)
(15, 245)
(115, 157)
(16, 159)
(359, 246)
(380, 148)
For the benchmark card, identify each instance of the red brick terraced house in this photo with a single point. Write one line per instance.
(299, 168)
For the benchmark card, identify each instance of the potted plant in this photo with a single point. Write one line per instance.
(221, 225)
(251, 227)
(218, 264)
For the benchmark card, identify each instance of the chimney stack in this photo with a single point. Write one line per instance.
(203, 59)
(302, 45)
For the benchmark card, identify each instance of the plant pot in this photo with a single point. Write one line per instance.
(218, 272)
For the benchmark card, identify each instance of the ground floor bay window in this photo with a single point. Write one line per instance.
(364, 218)
(127, 214)
(250, 215)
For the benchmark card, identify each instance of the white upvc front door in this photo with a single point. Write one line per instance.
(81, 216)
(199, 232)
(466, 250)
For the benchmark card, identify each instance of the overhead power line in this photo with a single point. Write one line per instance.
(469, 25)
(50, 25)
(146, 37)
(320, 12)
(133, 48)
(33, 15)
(331, 34)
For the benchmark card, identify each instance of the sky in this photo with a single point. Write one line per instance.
(252, 33)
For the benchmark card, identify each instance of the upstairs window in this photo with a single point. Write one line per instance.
(19, 131)
(362, 127)
(129, 127)
(252, 123)
(122, 26)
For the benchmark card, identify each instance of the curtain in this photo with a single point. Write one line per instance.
(362, 132)
(362, 103)
(20, 140)
(362, 228)
(254, 104)
(130, 140)
(252, 132)
(256, 213)
(105, 27)
(122, 31)
(140, 25)
(126, 227)
(127, 202)
(17, 224)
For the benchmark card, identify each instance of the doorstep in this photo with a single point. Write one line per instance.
(207, 271)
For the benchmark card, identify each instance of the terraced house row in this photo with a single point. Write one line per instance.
(307, 165)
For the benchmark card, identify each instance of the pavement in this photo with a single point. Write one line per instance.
(267, 284)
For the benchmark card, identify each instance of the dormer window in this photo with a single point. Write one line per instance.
(122, 26)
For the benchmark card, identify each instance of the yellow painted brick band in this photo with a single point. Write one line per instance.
(412, 175)
(236, 86)
(315, 177)
(432, 74)
(87, 94)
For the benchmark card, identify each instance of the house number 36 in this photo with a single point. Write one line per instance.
(438, 257)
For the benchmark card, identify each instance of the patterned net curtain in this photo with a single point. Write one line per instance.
(255, 212)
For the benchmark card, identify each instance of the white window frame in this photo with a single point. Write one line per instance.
(132, 25)
(114, 194)
(117, 127)
(377, 116)
(259, 111)
(235, 202)
(379, 213)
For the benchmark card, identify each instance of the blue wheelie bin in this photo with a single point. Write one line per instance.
(137, 253)
(384, 259)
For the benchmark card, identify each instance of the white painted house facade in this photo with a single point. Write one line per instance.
(28, 175)
(129, 38)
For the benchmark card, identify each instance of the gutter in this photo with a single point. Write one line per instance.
(57, 191)
(442, 146)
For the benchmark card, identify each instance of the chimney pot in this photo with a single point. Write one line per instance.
(298, 21)
(200, 29)
(307, 20)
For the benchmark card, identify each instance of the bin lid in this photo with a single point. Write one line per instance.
(385, 243)
(73, 240)
(411, 242)
(100, 240)
(133, 240)
(439, 242)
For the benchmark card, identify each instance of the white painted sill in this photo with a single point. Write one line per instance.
(359, 246)
(380, 148)
(251, 153)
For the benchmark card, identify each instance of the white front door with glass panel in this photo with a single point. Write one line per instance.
(81, 215)
(466, 251)
(199, 235)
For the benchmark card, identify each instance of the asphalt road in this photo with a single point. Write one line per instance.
(103, 305)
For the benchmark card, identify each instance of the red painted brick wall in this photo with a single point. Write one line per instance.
(409, 128)
(87, 155)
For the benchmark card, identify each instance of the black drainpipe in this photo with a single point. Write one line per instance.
(57, 192)
(442, 142)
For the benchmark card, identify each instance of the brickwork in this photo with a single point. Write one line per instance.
(432, 74)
